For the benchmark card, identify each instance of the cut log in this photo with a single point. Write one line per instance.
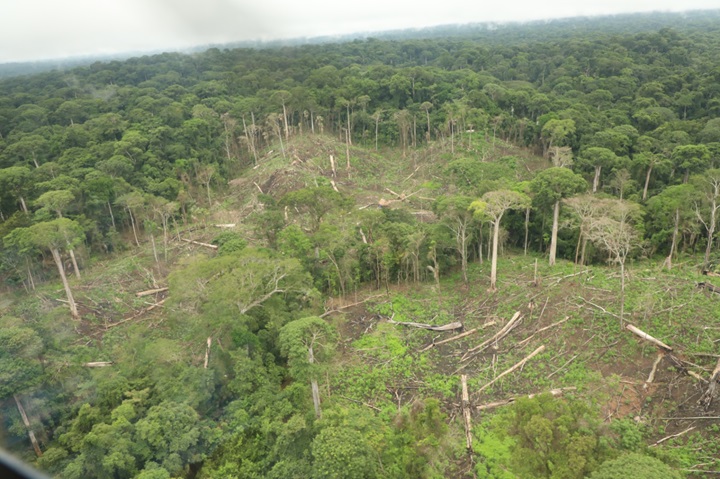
(709, 395)
(206, 245)
(31, 434)
(150, 292)
(647, 337)
(445, 327)
(497, 337)
(207, 352)
(553, 392)
(98, 364)
(709, 287)
(466, 412)
(517, 366)
(459, 336)
(226, 225)
(651, 376)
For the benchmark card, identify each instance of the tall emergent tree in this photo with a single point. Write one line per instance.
(550, 187)
(304, 342)
(493, 205)
(53, 236)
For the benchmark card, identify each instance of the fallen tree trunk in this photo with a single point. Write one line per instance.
(206, 245)
(711, 391)
(517, 366)
(709, 287)
(444, 327)
(647, 337)
(466, 412)
(150, 292)
(505, 402)
(497, 337)
(671, 436)
(98, 364)
(33, 439)
(459, 336)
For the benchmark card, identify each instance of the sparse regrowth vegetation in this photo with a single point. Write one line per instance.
(280, 263)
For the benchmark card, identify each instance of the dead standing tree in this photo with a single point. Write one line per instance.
(615, 233)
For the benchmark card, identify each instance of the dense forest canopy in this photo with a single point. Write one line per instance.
(207, 258)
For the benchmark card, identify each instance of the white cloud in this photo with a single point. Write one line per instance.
(35, 29)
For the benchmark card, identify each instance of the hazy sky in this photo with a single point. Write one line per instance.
(40, 29)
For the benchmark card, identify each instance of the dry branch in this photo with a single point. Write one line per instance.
(599, 307)
(374, 408)
(647, 337)
(672, 436)
(522, 343)
(206, 245)
(553, 392)
(330, 311)
(150, 292)
(497, 337)
(98, 364)
(710, 393)
(138, 314)
(517, 366)
(466, 411)
(459, 336)
(445, 327)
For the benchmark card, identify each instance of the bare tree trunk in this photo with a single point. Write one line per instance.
(31, 280)
(66, 285)
(74, 263)
(463, 253)
(647, 182)
(23, 205)
(285, 123)
(622, 293)
(314, 385)
(112, 216)
(527, 228)
(596, 180)
(466, 412)
(673, 245)
(165, 236)
(377, 124)
(155, 255)
(33, 440)
(250, 142)
(132, 223)
(493, 264)
(553, 236)
(711, 230)
(347, 149)
(577, 247)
